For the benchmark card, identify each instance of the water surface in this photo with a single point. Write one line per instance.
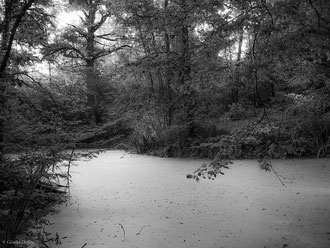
(124, 200)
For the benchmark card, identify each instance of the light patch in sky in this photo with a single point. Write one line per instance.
(66, 18)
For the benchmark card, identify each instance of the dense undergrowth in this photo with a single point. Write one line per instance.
(32, 184)
(29, 192)
(277, 136)
(40, 146)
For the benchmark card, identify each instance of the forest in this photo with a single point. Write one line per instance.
(208, 79)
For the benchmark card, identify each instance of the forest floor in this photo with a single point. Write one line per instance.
(123, 200)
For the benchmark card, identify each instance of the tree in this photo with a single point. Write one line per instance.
(166, 35)
(88, 43)
(17, 26)
(23, 27)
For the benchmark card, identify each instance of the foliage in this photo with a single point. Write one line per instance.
(211, 170)
(109, 135)
(273, 70)
(28, 190)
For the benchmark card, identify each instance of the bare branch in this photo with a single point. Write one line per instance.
(110, 51)
(102, 21)
(79, 31)
(65, 49)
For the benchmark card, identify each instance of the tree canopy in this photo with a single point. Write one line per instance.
(172, 66)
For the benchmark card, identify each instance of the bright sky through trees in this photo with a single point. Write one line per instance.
(66, 18)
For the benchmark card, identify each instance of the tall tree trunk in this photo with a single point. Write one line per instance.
(148, 73)
(185, 61)
(91, 92)
(168, 75)
(91, 78)
(235, 83)
(185, 70)
(4, 56)
(240, 44)
(8, 33)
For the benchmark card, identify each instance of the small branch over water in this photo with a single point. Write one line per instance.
(266, 164)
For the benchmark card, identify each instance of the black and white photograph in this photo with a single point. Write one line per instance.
(164, 123)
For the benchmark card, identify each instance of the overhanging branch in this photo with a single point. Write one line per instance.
(110, 51)
(62, 50)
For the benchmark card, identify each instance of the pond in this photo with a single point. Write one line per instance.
(125, 200)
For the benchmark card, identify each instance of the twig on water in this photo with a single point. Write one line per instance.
(69, 167)
(122, 228)
(266, 165)
(142, 229)
(278, 176)
(84, 245)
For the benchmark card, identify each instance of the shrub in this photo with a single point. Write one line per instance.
(23, 202)
(312, 136)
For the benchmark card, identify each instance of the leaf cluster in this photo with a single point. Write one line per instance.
(211, 170)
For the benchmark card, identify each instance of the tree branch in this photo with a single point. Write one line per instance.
(101, 22)
(12, 36)
(79, 31)
(110, 51)
(64, 49)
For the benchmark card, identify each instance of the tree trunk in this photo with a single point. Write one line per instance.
(235, 83)
(240, 44)
(7, 38)
(185, 68)
(168, 75)
(90, 68)
(184, 63)
(91, 92)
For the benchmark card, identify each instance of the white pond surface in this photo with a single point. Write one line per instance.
(152, 201)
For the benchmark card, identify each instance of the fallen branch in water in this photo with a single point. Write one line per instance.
(122, 228)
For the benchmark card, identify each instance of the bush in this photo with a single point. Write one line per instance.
(23, 202)
(174, 141)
